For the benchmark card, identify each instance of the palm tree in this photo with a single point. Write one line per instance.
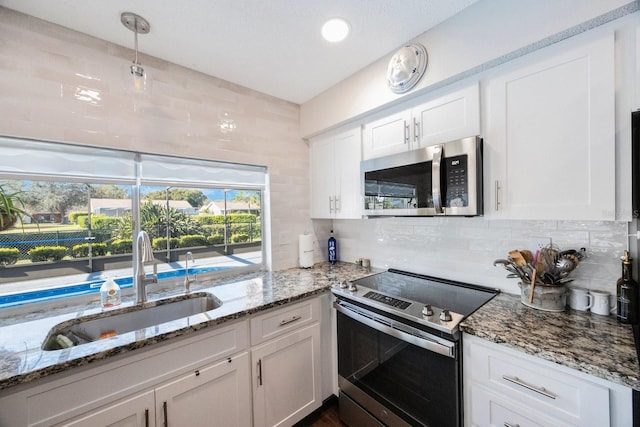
(12, 207)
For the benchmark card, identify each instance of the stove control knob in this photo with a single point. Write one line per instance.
(344, 284)
(445, 316)
(352, 287)
(427, 310)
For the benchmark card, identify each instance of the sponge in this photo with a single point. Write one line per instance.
(63, 341)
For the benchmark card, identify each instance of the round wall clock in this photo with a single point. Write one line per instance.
(406, 67)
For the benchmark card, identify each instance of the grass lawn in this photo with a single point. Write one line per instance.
(39, 228)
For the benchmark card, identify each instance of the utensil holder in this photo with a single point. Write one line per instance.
(545, 297)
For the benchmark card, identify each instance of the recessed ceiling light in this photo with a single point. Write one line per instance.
(335, 30)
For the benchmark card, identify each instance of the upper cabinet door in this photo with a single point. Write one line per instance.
(335, 175)
(347, 149)
(389, 135)
(550, 136)
(447, 118)
(323, 178)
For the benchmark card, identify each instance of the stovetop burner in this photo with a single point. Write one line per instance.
(437, 303)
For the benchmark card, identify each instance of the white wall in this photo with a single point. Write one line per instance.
(44, 67)
(486, 34)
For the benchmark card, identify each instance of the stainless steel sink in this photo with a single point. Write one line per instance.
(103, 325)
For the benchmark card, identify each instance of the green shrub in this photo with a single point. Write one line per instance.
(210, 230)
(235, 218)
(239, 238)
(82, 250)
(47, 253)
(160, 243)
(193, 240)
(103, 222)
(9, 255)
(73, 216)
(215, 239)
(208, 219)
(82, 219)
(121, 246)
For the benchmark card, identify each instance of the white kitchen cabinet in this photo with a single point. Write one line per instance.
(550, 134)
(445, 118)
(217, 393)
(388, 135)
(96, 393)
(287, 378)
(335, 175)
(134, 411)
(504, 387)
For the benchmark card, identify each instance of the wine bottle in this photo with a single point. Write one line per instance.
(627, 293)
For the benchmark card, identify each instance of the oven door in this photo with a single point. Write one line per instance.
(397, 374)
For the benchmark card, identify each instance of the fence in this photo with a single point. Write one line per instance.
(24, 242)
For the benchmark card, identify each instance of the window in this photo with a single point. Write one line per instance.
(81, 208)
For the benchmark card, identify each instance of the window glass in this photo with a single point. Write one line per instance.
(72, 219)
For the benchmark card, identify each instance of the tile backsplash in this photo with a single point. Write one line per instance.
(464, 248)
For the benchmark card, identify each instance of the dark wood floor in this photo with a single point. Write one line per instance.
(327, 416)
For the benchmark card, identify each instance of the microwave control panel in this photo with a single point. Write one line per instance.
(457, 182)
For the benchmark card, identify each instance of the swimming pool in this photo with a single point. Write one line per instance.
(89, 287)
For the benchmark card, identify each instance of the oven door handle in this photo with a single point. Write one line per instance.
(385, 325)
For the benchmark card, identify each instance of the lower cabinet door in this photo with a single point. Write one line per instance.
(218, 394)
(134, 411)
(287, 381)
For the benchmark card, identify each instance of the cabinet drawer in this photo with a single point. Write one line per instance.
(283, 320)
(488, 409)
(550, 391)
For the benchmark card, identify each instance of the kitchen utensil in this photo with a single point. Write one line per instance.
(517, 257)
(533, 284)
(527, 255)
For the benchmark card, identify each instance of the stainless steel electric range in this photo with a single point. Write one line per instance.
(399, 353)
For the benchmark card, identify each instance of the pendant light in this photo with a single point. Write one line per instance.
(136, 80)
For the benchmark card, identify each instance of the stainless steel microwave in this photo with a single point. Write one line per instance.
(442, 179)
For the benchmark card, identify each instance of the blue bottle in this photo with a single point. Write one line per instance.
(333, 249)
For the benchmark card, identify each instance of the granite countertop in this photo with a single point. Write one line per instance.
(596, 345)
(22, 360)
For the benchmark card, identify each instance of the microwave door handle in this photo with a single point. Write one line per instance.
(436, 185)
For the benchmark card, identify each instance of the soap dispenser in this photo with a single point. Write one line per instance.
(110, 293)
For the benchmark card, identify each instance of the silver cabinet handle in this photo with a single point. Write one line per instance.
(338, 204)
(287, 321)
(259, 372)
(331, 209)
(416, 130)
(541, 390)
(406, 133)
(506, 424)
(497, 193)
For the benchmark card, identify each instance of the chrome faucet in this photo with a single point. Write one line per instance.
(188, 280)
(145, 255)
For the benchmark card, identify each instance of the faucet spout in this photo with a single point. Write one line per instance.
(145, 255)
(188, 280)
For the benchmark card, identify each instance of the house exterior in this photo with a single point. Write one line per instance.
(118, 207)
(219, 207)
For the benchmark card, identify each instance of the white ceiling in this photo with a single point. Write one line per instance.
(272, 46)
